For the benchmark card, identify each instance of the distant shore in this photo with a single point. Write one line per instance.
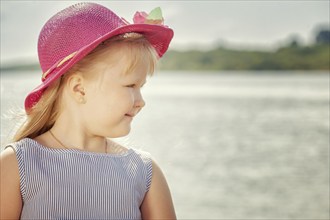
(292, 57)
(19, 67)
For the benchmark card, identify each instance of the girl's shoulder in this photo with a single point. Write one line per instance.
(10, 154)
(18, 145)
(10, 185)
(8, 158)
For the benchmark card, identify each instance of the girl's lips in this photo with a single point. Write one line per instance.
(129, 117)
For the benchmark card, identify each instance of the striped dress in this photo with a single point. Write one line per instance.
(74, 184)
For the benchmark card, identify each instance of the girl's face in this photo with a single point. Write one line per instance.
(114, 98)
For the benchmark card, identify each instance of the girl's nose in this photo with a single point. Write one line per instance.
(139, 101)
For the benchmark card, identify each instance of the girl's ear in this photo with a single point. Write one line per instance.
(75, 85)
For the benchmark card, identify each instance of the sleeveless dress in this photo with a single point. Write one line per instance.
(75, 184)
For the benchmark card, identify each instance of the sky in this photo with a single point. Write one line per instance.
(244, 24)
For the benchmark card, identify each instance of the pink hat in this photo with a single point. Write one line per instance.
(74, 32)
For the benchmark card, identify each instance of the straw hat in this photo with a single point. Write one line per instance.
(74, 32)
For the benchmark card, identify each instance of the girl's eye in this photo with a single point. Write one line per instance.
(131, 86)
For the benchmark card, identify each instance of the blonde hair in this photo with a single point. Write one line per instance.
(43, 115)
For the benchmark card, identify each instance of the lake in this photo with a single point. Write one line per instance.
(233, 145)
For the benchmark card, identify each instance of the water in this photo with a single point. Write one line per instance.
(234, 145)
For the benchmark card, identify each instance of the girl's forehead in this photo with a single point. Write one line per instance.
(123, 60)
(122, 67)
(128, 64)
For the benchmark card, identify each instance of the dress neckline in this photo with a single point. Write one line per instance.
(77, 151)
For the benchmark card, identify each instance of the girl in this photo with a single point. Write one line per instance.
(61, 165)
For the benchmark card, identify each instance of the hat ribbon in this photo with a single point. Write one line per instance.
(58, 64)
(154, 17)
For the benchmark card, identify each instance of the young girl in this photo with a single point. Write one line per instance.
(61, 164)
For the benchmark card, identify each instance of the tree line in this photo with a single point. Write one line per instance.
(290, 57)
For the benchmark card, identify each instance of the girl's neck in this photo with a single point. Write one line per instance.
(70, 137)
(70, 133)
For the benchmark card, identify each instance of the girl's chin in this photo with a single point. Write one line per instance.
(130, 118)
(120, 132)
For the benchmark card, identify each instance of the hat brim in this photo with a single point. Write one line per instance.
(157, 35)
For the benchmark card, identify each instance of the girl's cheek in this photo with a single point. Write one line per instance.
(126, 94)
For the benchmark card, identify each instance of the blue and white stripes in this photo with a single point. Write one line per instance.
(73, 184)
